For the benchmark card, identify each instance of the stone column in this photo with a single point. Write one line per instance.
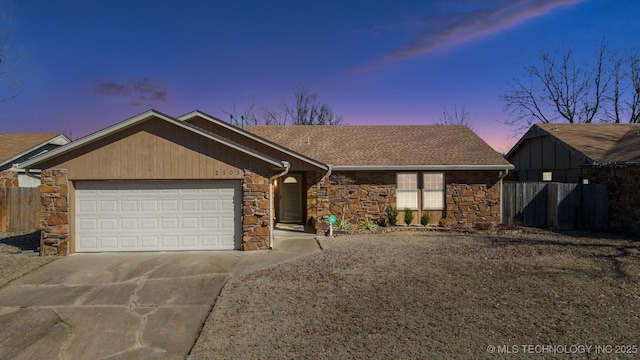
(54, 214)
(255, 211)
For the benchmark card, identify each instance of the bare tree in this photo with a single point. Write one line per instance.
(633, 102)
(559, 89)
(9, 60)
(246, 117)
(276, 116)
(455, 117)
(305, 110)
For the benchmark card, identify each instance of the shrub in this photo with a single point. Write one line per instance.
(408, 216)
(425, 218)
(343, 225)
(368, 224)
(392, 215)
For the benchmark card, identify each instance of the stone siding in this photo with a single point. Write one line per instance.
(54, 214)
(356, 194)
(9, 178)
(472, 198)
(255, 211)
(624, 196)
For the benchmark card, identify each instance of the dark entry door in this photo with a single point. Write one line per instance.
(291, 198)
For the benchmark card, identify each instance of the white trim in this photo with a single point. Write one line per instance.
(251, 136)
(421, 167)
(135, 121)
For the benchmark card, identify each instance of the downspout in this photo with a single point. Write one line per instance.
(325, 176)
(287, 165)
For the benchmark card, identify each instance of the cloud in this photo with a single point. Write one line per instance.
(471, 21)
(143, 91)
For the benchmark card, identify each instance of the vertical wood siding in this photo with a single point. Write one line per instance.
(154, 151)
(19, 209)
(556, 205)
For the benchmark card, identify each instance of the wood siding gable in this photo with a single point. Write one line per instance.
(154, 149)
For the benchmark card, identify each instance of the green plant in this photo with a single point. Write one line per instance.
(425, 218)
(408, 216)
(368, 224)
(343, 225)
(392, 215)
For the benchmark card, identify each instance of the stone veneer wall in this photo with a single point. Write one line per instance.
(54, 214)
(472, 197)
(9, 178)
(624, 195)
(362, 194)
(255, 211)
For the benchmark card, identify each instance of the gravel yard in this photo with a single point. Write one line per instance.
(18, 256)
(436, 296)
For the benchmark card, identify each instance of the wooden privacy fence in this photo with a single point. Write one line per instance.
(19, 209)
(556, 205)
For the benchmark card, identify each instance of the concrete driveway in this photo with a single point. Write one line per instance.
(123, 306)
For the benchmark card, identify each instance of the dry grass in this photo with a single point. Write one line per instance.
(432, 296)
(15, 263)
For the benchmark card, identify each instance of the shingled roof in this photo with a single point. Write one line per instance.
(385, 145)
(598, 143)
(13, 145)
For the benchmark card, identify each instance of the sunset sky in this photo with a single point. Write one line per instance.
(84, 65)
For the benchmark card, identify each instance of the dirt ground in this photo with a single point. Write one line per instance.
(535, 294)
(18, 255)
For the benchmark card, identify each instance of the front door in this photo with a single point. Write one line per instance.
(291, 198)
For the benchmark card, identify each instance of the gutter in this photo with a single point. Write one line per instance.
(421, 167)
(286, 165)
(326, 176)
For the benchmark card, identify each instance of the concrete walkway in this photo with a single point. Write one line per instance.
(125, 306)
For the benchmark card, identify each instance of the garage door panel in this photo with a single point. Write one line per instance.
(148, 216)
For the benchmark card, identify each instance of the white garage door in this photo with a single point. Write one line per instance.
(157, 216)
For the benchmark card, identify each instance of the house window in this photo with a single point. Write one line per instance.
(433, 191)
(407, 191)
(547, 176)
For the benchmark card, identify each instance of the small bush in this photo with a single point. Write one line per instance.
(392, 215)
(343, 225)
(425, 218)
(408, 216)
(368, 224)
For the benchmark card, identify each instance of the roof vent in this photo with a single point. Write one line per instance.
(308, 140)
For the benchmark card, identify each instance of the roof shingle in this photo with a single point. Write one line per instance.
(12, 144)
(603, 143)
(384, 145)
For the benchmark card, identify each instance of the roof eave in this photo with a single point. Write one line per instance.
(132, 122)
(254, 137)
(60, 139)
(420, 167)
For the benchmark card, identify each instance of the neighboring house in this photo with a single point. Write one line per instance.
(586, 153)
(569, 152)
(19, 147)
(154, 182)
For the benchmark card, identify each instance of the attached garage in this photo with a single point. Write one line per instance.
(157, 216)
(155, 183)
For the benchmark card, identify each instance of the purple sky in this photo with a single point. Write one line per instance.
(85, 65)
